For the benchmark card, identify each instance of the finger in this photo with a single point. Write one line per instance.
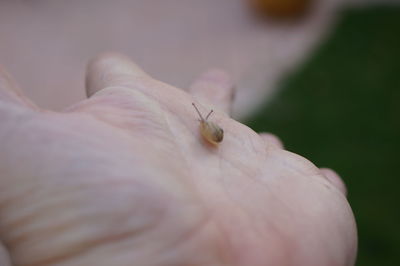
(335, 179)
(112, 70)
(271, 140)
(215, 87)
(10, 92)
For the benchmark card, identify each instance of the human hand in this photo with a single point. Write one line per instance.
(124, 178)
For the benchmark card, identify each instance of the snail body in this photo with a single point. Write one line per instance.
(210, 130)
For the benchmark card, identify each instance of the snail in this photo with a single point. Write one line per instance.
(209, 130)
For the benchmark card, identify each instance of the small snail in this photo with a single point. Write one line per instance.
(209, 130)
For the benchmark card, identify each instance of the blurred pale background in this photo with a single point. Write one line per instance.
(45, 44)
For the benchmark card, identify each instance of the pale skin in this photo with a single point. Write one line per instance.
(124, 178)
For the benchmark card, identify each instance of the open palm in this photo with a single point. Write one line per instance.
(124, 178)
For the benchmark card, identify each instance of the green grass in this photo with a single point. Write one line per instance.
(341, 110)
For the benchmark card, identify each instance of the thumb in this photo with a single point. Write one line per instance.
(112, 70)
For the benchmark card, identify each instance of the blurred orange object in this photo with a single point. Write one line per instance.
(280, 8)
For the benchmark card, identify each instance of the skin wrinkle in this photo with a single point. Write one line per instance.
(243, 213)
(69, 128)
(253, 146)
(258, 154)
(237, 203)
(37, 212)
(18, 121)
(88, 245)
(254, 149)
(107, 103)
(225, 240)
(8, 201)
(241, 143)
(18, 240)
(107, 122)
(241, 170)
(274, 194)
(282, 203)
(19, 221)
(241, 140)
(174, 137)
(163, 112)
(227, 243)
(195, 232)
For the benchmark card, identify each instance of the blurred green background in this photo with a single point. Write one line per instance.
(341, 109)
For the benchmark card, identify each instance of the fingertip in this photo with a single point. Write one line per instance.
(111, 70)
(217, 76)
(216, 87)
(335, 179)
(271, 140)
